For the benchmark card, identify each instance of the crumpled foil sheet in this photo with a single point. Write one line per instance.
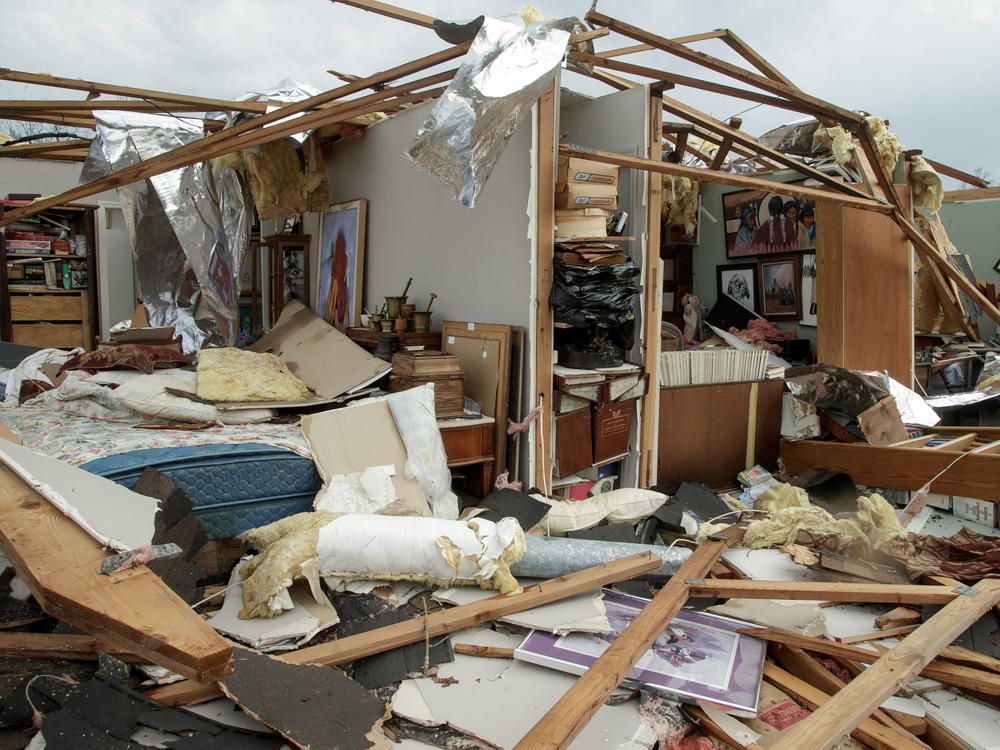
(504, 72)
(189, 230)
(841, 391)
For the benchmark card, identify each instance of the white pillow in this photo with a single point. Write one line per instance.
(148, 395)
(618, 506)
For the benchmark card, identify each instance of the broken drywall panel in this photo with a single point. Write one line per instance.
(805, 618)
(297, 701)
(846, 620)
(468, 695)
(910, 706)
(225, 711)
(768, 565)
(291, 629)
(974, 723)
(317, 353)
(95, 504)
(396, 593)
(348, 441)
(581, 613)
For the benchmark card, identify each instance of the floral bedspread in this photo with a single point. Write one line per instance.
(78, 439)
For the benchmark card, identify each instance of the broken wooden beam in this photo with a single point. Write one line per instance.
(723, 178)
(882, 593)
(849, 707)
(973, 194)
(570, 714)
(56, 646)
(958, 174)
(437, 623)
(133, 610)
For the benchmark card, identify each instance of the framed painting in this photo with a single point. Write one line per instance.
(765, 223)
(780, 287)
(739, 281)
(341, 264)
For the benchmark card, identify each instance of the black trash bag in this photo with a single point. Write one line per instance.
(600, 296)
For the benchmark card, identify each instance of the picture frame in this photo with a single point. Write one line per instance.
(739, 281)
(780, 281)
(699, 656)
(758, 222)
(340, 264)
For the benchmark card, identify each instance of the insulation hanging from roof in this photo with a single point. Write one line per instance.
(928, 191)
(679, 206)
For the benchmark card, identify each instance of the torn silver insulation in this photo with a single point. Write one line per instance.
(503, 74)
(189, 230)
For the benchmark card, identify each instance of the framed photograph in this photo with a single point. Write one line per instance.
(698, 656)
(341, 264)
(809, 290)
(739, 281)
(780, 287)
(763, 223)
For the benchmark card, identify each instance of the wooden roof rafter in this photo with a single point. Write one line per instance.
(716, 34)
(94, 88)
(227, 141)
(91, 105)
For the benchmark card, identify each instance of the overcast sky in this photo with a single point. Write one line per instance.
(929, 66)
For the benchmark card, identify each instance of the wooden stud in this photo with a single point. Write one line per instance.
(653, 297)
(133, 610)
(56, 646)
(844, 711)
(437, 623)
(545, 181)
(564, 721)
(840, 593)
(721, 153)
(975, 194)
(724, 178)
(491, 652)
(716, 34)
(976, 182)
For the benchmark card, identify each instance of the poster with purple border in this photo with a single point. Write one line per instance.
(699, 655)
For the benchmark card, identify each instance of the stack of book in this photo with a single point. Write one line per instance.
(706, 366)
(47, 273)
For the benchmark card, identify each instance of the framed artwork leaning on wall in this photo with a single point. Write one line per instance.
(739, 281)
(780, 287)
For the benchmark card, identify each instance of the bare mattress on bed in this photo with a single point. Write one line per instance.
(237, 476)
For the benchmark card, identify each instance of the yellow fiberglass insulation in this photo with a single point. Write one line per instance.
(887, 143)
(229, 374)
(928, 192)
(679, 203)
(279, 184)
(874, 522)
(839, 141)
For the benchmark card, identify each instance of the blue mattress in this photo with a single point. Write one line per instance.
(232, 487)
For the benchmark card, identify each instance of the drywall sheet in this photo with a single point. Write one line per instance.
(346, 441)
(95, 504)
(582, 613)
(480, 363)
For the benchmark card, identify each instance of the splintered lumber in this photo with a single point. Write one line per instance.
(722, 178)
(222, 142)
(956, 675)
(709, 726)
(882, 593)
(437, 623)
(805, 667)
(867, 730)
(845, 710)
(133, 610)
(56, 646)
(564, 721)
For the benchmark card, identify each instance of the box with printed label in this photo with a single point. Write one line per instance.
(574, 169)
(585, 195)
(973, 509)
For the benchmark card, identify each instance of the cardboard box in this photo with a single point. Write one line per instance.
(574, 169)
(574, 449)
(582, 222)
(973, 509)
(585, 195)
(29, 246)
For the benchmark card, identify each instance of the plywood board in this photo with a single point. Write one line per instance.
(349, 440)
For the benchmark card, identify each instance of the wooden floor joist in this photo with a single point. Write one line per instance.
(437, 623)
(570, 714)
(133, 610)
(882, 593)
(849, 707)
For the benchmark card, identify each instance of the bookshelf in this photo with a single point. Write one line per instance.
(50, 278)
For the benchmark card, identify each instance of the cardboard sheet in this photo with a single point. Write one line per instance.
(345, 441)
(583, 613)
(320, 355)
(95, 504)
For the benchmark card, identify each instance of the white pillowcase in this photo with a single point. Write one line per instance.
(148, 395)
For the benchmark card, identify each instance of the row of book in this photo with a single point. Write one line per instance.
(27, 238)
(48, 274)
(706, 366)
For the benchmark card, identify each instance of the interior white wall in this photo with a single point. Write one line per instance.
(476, 260)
